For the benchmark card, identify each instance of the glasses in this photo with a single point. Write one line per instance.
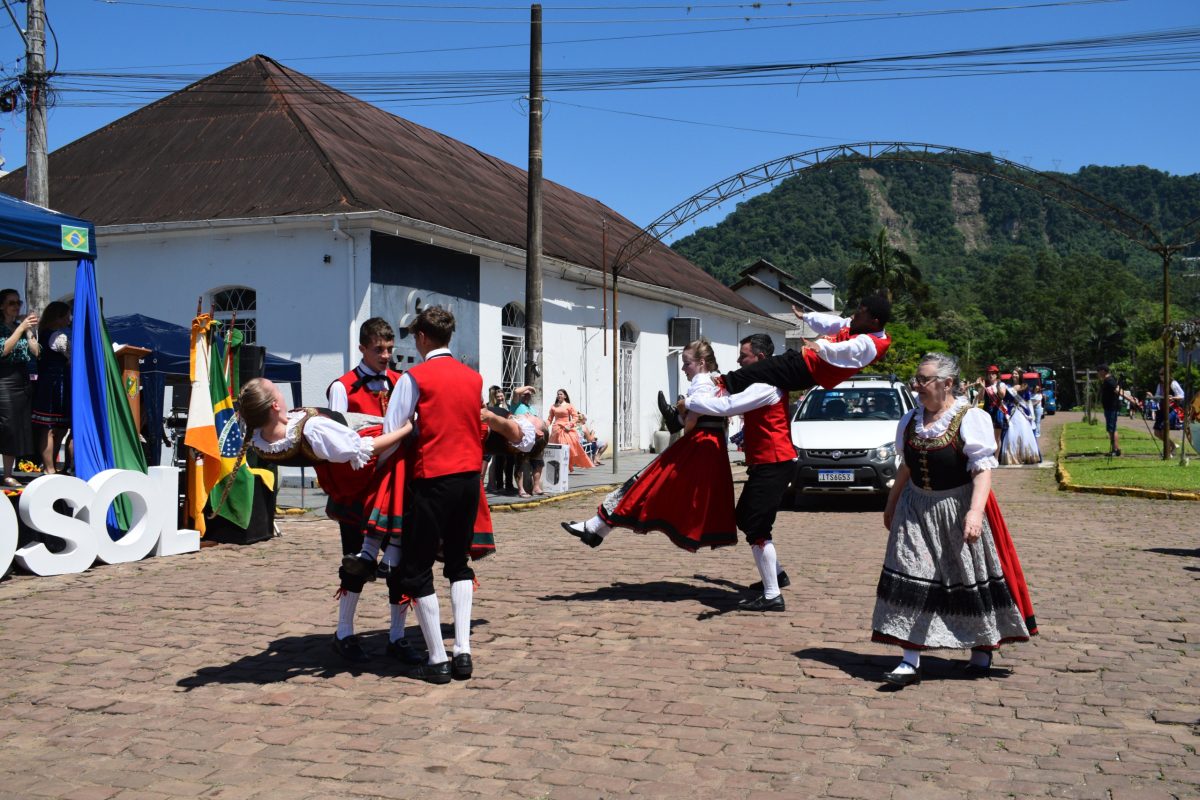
(923, 380)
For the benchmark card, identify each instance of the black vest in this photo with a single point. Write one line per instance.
(937, 464)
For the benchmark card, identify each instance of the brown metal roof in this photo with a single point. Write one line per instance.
(260, 140)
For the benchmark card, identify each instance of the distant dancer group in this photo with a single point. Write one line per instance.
(399, 456)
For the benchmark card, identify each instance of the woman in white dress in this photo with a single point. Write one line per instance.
(1020, 445)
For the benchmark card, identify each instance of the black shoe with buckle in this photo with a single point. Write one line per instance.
(761, 603)
(460, 666)
(670, 414)
(577, 529)
(973, 670)
(405, 653)
(349, 649)
(903, 679)
(782, 577)
(431, 673)
(360, 567)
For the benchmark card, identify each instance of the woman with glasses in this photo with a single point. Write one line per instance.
(18, 346)
(951, 577)
(685, 493)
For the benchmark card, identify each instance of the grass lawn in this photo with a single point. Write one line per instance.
(1142, 473)
(1085, 439)
(1135, 472)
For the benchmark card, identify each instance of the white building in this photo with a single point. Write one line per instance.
(305, 212)
(773, 289)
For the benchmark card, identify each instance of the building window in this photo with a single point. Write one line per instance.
(512, 347)
(238, 304)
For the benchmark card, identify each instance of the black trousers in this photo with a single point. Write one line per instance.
(759, 503)
(786, 371)
(439, 515)
(352, 542)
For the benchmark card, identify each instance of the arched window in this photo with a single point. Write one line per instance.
(512, 347)
(239, 304)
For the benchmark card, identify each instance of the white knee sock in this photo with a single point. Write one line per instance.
(597, 526)
(768, 568)
(913, 657)
(347, 605)
(399, 615)
(370, 548)
(430, 616)
(461, 593)
(391, 556)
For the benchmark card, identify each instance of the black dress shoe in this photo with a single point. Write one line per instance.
(460, 666)
(971, 670)
(576, 529)
(405, 653)
(431, 673)
(904, 678)
(761, 603)
(670, 414)
(360, 567)
(349, 649)
(782, 577)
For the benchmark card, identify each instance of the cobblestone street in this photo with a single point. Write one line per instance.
(614, 672)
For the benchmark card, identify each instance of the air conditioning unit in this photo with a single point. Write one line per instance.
(682, 331)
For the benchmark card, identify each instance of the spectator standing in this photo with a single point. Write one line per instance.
(18, 346)
(1167, 404)
(1110, 401)
(502, 465)
(52, 393)
(524, 407)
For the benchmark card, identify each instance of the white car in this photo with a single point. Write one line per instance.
(845, 437)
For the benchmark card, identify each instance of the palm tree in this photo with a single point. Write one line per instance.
(884, 268)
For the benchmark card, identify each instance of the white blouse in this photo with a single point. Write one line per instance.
(979, 442)
(329, 440)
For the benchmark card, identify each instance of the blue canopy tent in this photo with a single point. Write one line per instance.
(33, 233)
(169, 363)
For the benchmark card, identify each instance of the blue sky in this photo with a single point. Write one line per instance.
(616, 145)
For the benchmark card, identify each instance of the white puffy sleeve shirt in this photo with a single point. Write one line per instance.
(854, 353)
(979, 443)
(330, 441)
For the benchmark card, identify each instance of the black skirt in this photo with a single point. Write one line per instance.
(16, 431)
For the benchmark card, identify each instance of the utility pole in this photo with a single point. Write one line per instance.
(37, 183)
(533, 212)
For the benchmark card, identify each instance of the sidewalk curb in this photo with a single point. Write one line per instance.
(552, 499)
(1064, 482)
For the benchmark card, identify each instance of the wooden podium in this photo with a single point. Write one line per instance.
(128, 361)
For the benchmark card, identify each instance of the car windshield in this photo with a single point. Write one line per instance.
(851, 404)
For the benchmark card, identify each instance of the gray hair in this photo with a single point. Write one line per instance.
(945, 367)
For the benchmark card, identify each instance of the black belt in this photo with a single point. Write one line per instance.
(712, 423)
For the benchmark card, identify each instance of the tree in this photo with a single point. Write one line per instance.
(881, 267)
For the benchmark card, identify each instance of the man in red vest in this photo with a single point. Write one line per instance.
(365, 390)
(770, 457)
(444, 396)
(846, 346)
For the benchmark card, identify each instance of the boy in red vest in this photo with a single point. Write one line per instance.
(443, 395)
(365, 390)
(770, 456)
(846, 346)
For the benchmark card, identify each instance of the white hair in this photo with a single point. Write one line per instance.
(944, 367)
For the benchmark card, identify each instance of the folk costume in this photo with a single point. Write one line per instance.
(685, 493)
(445, 490)
(1020, 445)
(52, 392)
(991, 400)
(833, 358)
(770, 464)
(935, 590)
(562, 421)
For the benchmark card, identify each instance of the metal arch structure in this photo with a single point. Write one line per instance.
(1051, 186)
(1048, 185)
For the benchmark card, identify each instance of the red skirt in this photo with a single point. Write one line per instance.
(484, 542)
(685, 493)
(349, 490)
(1013, 575)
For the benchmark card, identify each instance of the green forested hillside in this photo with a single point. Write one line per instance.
(1015, 277)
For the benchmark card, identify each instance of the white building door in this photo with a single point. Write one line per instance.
(627, 412)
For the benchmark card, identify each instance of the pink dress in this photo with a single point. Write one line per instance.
(562, 431)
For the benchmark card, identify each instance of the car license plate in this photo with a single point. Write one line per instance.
(835, 476)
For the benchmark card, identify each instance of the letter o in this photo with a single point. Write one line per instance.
(139, 540)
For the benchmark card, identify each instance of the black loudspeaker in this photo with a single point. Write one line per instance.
(253, 360)
(682, 331)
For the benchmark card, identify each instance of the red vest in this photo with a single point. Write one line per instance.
(448, 440)
(362, 400)
(767, 438)
(829, 376)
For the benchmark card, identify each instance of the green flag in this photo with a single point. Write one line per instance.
(233, 498)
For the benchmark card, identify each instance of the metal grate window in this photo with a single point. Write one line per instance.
(512, 348)
(240, 304)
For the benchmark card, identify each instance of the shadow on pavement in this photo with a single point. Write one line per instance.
(1175, 551)
(660, 592)
(871, 668)
(311, 655)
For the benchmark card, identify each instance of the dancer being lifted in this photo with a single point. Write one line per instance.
(687, 492)
(351, 470)
(845, 347)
